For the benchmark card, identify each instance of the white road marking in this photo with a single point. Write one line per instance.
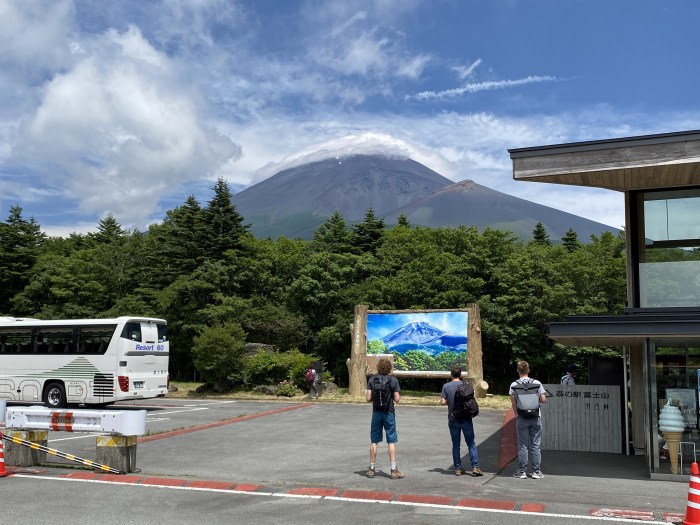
(350, 500)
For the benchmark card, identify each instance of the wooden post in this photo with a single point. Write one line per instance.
(357, 363)
(475, 367)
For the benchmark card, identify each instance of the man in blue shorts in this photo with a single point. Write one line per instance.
(383, 390)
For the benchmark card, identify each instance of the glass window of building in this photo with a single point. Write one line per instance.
(669, 254)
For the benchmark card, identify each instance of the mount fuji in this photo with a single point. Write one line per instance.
(294, 202)
(423, 336)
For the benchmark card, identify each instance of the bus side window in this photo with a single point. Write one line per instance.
(132, 331)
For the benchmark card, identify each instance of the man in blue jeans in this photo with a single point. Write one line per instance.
(383, 417)
(457, 427)
(529, 428)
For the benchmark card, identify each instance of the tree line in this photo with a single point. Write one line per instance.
(219, 287)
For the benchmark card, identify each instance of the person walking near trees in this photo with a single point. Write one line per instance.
(526, 395)
(383, 391)
(457, 427)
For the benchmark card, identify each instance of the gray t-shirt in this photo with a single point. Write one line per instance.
(448, 393)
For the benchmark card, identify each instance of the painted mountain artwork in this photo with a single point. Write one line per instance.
(420, 341)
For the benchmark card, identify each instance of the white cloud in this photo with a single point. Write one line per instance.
(597, 204)
(368, 143)
(362, 43)
(482, 86)
(457, 145)
(33, 33)
(466, 71)
(120, 128)
(115, 119)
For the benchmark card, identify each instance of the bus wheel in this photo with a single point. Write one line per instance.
(55, 396)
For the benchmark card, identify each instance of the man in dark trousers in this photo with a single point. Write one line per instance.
(383, 390)
(529, 429)
(457, 427)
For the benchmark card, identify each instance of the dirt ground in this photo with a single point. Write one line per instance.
(408, 397)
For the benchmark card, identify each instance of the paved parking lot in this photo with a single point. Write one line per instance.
(321, 450)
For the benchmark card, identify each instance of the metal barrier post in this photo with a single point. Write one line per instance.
(116, 451)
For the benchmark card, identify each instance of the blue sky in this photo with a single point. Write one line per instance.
(380, 325)
(128, 107)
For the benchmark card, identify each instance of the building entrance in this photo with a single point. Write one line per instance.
(674, 443)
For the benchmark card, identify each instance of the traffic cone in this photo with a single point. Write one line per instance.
(3, 472)
(692, 513)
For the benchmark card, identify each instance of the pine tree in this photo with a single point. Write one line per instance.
(570, 241)
(540, 235)
(402, 220)
(222, 221)
(368, 235)
(21, 241)
(108, 230)
(180, 238)
(333, 235)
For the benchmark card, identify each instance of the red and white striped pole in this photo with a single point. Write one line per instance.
(692, 513)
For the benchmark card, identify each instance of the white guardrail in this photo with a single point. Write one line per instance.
(117, 423)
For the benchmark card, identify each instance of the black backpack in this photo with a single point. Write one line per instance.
(381, 392)
(465, 405)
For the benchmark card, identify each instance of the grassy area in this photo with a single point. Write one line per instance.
(408, 397)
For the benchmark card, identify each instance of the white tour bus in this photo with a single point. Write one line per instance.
(91, 361)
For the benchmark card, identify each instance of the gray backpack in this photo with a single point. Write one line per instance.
(527, 400)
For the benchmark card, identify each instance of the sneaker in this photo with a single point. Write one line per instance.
(370, 472)
(396, 474)
(476, 471)
(459, 471)
(520, 474)
(537, 475)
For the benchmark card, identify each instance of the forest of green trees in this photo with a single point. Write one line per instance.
(219, 287)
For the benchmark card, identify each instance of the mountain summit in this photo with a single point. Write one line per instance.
(294, 202)
(415, 332)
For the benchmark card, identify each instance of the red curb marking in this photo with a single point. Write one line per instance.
(220, 423)
(368, 494)
(247, 488)
(509, 440)
(416, 498)
(311, 491)
(618, 513)
(223, 485)
(486, 504)
(116, 478)
(532, 507)
(671, 517)
(164, 482)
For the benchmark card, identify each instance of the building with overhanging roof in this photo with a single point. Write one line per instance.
(660, 329)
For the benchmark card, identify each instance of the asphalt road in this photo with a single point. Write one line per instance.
(207, 461)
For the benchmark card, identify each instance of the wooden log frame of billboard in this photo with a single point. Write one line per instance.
(358, 369)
